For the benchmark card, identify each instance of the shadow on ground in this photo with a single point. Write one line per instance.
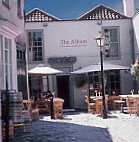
(52, 131)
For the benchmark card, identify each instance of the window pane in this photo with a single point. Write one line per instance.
(1, 44)
(113, 35)
(39, 39)
(34, 43)
(6, 43)
(112, 42)
(11, 76)
(113, 49)
(10, 51)
(39, 34)
(39, 43)
(40, 49)
(6, 56)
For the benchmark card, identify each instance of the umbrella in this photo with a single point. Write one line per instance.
(97, 67)
(43, 70)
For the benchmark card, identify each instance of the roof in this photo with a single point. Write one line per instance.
(38, 15)
(136, 14)
(102, 12)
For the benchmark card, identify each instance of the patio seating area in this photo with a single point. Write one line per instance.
(125, 103)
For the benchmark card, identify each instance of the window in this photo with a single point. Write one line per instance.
(94, 82)
(35, 45)
(112, 42)
(20, 55)
(19, 10)
(111, 82)
(6, 3)
(6, 54)
(36, 87)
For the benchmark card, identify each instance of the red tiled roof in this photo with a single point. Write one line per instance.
(37, 15)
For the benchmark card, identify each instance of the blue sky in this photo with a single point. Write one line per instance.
(72, 9)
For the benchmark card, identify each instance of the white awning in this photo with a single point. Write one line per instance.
(44, 70)
(97, 67)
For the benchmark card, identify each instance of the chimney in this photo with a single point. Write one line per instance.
(129, 7)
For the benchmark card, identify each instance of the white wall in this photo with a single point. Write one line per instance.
(136, 33)
(12, 17)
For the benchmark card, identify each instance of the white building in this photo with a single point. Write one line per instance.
(136, 34)
(70, 44)
(12, 41)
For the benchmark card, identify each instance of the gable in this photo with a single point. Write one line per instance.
(102, 12)
(37, 15)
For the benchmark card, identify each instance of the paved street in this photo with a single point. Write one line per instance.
(83, 127)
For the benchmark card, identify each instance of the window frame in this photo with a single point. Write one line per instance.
(107, 47)
(31, 47)
(6, 61)
(96, 85)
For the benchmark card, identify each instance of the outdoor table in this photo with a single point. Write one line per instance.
(130, 95)
(94, 97)
(130, 104)
(118, 102)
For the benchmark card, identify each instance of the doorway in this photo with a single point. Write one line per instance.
(63, 90)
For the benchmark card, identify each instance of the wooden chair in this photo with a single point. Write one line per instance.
(106, 102)
(58, 108)
(99, 106)
(34, 112)
(111, 104)
(130, 105)
(43, 106)
(91, 106)
(136, 106)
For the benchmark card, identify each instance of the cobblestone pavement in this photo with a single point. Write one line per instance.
(73, 128)
(83, 127)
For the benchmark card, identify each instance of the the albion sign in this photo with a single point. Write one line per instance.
(73, 43)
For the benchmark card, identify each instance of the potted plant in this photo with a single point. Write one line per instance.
(80, 80)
